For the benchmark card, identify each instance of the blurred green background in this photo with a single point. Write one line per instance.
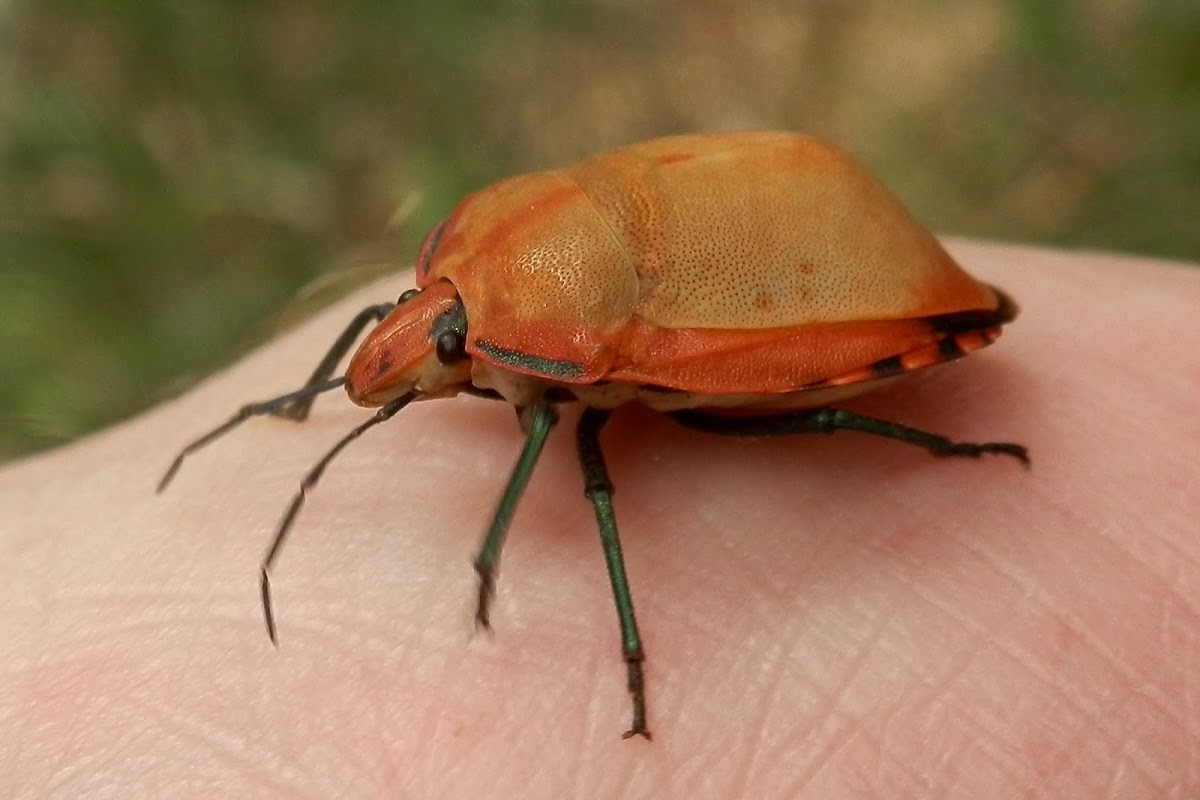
(173, 176)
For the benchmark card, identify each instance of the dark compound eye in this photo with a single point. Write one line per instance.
(407, 295)
(451, 347)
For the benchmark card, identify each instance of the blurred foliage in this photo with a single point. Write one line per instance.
(172, 174)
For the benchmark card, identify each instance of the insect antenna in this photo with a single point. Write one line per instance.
(310, 480)
(275, 405)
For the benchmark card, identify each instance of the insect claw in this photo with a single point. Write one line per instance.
(487, 591)
(1017, 451)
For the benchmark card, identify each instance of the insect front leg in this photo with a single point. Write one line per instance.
(828, 420)
(293, 405)
(298, 409)
(537, 419)
(599, 490)
(310, 481)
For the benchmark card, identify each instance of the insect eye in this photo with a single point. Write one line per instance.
(450, 347)
(407, 295)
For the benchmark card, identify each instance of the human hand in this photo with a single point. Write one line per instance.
(823, 616)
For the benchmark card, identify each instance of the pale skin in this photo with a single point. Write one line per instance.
(823, 616)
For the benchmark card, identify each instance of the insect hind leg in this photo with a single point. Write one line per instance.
(829, 420)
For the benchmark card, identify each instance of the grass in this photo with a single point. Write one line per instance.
(171, 175)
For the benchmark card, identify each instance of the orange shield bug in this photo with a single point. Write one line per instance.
(738, 283)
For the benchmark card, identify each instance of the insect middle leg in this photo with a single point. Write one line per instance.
(828, 420)
(537, 419)
(598, 489)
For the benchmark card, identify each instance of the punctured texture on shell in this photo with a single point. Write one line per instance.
(755, 262)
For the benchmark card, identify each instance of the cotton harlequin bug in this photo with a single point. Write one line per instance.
(765, 273)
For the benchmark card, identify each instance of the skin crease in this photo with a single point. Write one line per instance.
(823, 616)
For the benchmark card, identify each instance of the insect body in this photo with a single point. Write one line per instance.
(762, 272)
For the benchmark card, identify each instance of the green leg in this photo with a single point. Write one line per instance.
(828, 420)
(598, 489)
(537, 420)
